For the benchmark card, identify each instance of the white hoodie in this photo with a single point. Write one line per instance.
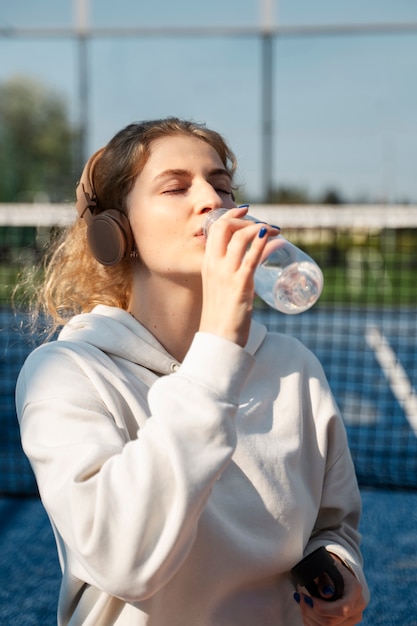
(182, 494)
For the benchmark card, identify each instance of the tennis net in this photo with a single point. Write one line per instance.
(363, 329)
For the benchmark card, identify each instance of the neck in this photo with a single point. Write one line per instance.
(170, 310)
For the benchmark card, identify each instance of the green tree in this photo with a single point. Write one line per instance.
(331, 196)
(37, 143)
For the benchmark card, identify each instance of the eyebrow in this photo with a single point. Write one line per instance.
(220, 171)
(179, 172)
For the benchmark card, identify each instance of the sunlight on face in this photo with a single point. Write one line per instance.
(183, 178)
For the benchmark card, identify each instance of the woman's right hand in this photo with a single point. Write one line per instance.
(233, 251)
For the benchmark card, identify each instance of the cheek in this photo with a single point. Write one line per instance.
(152, 240)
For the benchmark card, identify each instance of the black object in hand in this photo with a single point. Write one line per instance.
(314, 565)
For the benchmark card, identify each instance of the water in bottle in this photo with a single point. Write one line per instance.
(287, 278)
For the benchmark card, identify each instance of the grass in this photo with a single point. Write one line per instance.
(360, 268)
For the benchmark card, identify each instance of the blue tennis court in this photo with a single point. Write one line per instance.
(370, 359)
(30, 576)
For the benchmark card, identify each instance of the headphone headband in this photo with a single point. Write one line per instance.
(86, 195)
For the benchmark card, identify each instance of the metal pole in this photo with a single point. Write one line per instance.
(83, 99)
(81, 15)
(267, 116)
(267, 98)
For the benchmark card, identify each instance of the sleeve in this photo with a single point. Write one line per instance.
(128, 510)
(338, 519)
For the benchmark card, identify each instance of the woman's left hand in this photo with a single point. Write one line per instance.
(346, 611)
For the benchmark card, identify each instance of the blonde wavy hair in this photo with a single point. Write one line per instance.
(73, 281)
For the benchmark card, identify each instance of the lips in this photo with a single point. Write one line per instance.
(200, 236)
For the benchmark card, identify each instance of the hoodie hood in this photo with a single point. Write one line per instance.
(115, 332)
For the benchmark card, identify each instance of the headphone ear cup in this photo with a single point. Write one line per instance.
(110, 237)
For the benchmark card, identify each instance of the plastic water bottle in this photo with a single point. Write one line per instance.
(287, 278)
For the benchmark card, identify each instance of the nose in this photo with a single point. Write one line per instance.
(209, 199)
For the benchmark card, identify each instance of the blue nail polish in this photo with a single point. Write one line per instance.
(328, 590)
(262, 233)
(309, 601)
(297, 597)
(277, 227)
(243, 206)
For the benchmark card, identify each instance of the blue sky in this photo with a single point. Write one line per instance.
(345, 107)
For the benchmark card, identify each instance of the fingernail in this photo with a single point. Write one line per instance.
(309, 601)
(277, 227)
(262, 233)
(243, 206)
(328, 590)
(297, 597)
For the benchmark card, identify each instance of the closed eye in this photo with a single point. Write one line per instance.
(175, 190)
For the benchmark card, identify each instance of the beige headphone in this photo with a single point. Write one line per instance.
(109, 234)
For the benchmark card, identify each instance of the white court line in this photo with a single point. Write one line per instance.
(395, 373)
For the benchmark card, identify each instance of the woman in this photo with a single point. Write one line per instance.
(187, 458)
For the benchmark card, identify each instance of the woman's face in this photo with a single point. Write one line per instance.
(183, 179)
